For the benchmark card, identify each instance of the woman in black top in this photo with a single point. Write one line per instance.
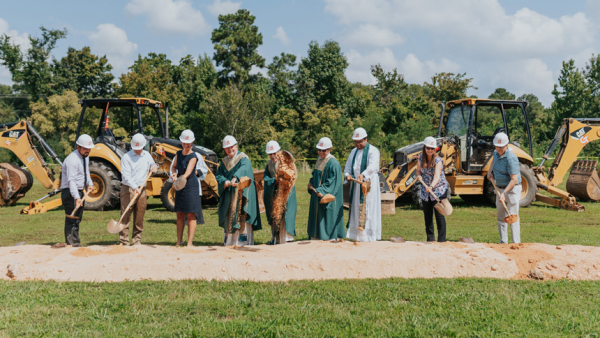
(187, 199)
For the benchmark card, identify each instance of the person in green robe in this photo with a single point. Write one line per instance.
(326, 221)
(233, 210)
(270, 185)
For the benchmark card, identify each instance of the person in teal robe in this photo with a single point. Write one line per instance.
(270, 185)
(326, 221)
(232, 168)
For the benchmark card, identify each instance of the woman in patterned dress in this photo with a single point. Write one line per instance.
(430, 170)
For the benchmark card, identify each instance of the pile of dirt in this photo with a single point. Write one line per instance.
(301, 260)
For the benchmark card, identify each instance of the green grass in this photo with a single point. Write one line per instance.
(388, 307)
(539, 223)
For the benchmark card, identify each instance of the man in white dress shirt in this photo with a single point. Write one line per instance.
(75, 177)
(135, 166)
(363, 165)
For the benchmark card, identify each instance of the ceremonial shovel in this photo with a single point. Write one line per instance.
(510, 219)
(366, 188)
(326, 198)
(114, 227)
(443, 207)
(72, 215)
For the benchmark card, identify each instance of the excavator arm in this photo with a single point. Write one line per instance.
(583, 182)
(14, 181)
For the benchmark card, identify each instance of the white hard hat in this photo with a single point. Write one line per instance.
(272, 147)
(500, 140)
(359, 134)
(138, 142)
(229, 141)
(85, 141)
(430, 142)
(187, 136)
(324, 143)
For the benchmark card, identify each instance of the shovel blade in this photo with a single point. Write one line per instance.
(72, 217)
(327, 198)
(510, 219)
(113, 227)
(444, 207)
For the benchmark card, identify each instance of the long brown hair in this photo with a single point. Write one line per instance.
(424, 161)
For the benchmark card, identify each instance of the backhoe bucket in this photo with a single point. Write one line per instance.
(14, 183)
(583, 181)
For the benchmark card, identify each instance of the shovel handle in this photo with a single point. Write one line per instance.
(134, 198)
(350, 178)
(498, 192)
(85, 193)
(316, 192)
(431, 192)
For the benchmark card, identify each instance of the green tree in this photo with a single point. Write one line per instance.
(54, 120)
(283, 79)
(572, 96)
(321, 78)
(31, 72)
(84, 73)
(501, 94)
(445, 87)
(236, 42)
(152, 77)
(389, 84)
(241, 112)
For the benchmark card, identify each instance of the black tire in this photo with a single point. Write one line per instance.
(489, 193)
(107, 187)
(168, 202)
(471, 199)
(528, 185)
(416, 195)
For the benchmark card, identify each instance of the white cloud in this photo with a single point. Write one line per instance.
(413, 69)
(111, 40)
(282, 36)
(170, 16)
(481, 26)
(20, 39)
(224, 7)
(592, 8)
(373, 36)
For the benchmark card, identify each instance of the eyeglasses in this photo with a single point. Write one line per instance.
(322, 150)
(427, 148)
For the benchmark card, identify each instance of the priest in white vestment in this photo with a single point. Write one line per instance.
(363, 165)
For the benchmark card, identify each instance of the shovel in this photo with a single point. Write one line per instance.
(72, 215)
(366, 188)
(443, 207)
(510, 219)
(325, 199)
(116, 227)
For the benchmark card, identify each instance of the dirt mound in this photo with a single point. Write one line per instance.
(302, 260)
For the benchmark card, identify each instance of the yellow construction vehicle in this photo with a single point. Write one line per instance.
(583, 182)
(466, 149)
(15, 182)
(105, 157)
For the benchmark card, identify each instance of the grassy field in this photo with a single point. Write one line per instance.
(389, 307)
(539, 223)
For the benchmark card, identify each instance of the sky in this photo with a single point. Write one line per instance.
(516, 45)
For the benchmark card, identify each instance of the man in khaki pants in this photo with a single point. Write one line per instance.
(135, 166)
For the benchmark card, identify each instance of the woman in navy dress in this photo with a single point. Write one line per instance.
(187, 200)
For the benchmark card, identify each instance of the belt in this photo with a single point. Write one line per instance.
(504, 187)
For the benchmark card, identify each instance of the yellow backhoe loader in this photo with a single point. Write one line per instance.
(583, 182)
(466, 149)
(105, 157)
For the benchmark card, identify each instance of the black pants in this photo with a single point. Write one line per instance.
(428, 211)
(71, 225)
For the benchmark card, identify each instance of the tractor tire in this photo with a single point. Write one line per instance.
(472, 199)
(167, 196)
(528, 185)
(107, 187)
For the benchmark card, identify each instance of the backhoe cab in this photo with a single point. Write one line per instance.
(465, 133)
(105, 157)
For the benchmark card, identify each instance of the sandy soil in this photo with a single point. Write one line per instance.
(301, 260)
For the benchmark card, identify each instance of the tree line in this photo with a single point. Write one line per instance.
(295, 103)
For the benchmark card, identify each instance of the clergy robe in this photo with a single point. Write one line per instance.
(326, 221)
(368, 166)
(238, 167)
(269, 191)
